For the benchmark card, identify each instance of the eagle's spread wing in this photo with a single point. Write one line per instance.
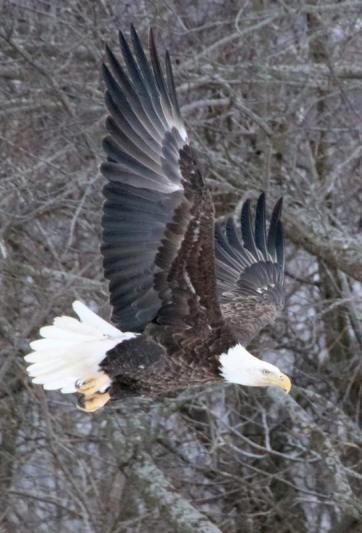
(158, 220)
(250, 268)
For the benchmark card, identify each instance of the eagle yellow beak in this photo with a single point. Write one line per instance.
(283, 382)
(279, 380)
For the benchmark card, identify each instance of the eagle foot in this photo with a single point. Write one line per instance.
(92, 403)
(92, 385)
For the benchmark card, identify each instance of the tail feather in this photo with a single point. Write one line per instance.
(71, 350)
(94, 321)
(64, 334)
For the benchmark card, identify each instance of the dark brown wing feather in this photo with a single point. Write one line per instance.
(250, 269)
(158, 222)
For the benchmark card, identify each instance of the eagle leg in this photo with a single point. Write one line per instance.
(90, 386)
(92, 403)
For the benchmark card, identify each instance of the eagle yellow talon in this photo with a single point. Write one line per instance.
(92, 385)
(89, 404)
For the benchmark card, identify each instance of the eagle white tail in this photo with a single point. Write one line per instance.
(71, 349)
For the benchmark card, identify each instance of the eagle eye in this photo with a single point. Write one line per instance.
(265, 371)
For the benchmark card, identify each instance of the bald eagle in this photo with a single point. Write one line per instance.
(188, 293)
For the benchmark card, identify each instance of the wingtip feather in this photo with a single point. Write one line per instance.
(260, 225)
(274, 236)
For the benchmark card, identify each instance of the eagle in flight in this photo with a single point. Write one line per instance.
(188, 293)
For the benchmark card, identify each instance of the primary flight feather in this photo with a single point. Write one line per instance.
(187, 293)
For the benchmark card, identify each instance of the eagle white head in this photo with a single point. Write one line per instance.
(239, 366)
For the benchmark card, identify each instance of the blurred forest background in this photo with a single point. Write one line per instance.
(271, 93)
